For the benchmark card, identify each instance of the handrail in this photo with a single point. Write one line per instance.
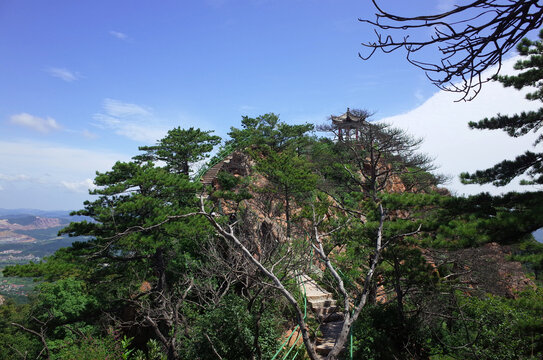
(220, 156)
(299, 332)
(285, 342)
(297, 326)
(293, 331)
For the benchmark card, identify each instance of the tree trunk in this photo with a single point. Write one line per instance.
(234, 241)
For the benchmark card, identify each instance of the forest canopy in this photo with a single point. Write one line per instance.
(178, 269)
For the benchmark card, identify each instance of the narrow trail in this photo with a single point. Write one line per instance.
(324, 307)
(321, 302)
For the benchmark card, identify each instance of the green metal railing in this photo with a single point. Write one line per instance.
(351, 337)
(221, 155)
(351, 340)
(293, 331)
(297, 326)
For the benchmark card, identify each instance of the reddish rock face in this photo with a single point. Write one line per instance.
(38, 223)
(485, 269)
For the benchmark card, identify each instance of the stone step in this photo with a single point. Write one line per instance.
(313, 297)
(330, 332)
(333, 317)
(324, 303)
(211, 174)
(325, 310)
(325, 348)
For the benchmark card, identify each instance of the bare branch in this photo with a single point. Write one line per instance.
(471, 38)
(213, 347)
(40, 335)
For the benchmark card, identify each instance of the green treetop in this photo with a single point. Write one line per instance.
(268, 130)
(180, 148)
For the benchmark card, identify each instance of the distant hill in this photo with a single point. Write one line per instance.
(35, 212)
(30, 222)
(26, 216)
(30, 234)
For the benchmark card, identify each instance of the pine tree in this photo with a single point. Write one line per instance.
(529, 163)
(180, 148)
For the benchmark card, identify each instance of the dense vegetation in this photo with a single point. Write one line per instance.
(176, 270)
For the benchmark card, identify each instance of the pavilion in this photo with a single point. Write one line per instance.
(348, 126)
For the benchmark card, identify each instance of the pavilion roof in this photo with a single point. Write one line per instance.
(346, 118)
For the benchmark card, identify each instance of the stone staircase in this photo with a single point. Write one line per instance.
(325, 310)
(211, 174)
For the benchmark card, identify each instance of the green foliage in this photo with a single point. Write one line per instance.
(154, 352)
(113, 272)
(475, 220)
(288, 171)
(177, 292)
(227, 181)
(269, 131)
(90, 348)
(529, 163)
(64, 300)
(14, 342)
(62, 264)
(492, 328)
(530, 254)
(232, 188)
(180, 148)
(229, 330)
(376, 335)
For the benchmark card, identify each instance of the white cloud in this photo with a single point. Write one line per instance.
(130, 120)
(35, 123)
(119, 109)
(53, 163)
(79, 186)
(89, 135)
(18, 177)
(63, 74)
(45, 166)
(444, 126)
(118, 35)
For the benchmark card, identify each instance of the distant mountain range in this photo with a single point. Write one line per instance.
(35, 212)
(30, 222)
(22, 215)
(30, 234)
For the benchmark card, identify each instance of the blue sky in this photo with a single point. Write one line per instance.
(85, 83)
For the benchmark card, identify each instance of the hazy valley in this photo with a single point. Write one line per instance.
(28, 235)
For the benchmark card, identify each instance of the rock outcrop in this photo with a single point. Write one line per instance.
(484, 269)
